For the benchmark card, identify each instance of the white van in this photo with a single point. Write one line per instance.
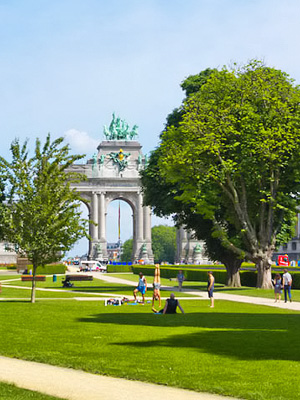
(92, 265)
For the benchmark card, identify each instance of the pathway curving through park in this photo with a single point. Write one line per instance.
(78, 385)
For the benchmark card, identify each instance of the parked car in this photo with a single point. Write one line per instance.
(92, 265)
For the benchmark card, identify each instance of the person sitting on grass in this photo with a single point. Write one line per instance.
(170, 306)
(156, 286)
(141, 287)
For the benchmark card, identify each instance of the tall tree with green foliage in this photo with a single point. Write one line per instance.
(237, 148)
(164, 243)
(127, 249)
(162, 196)
(41, 214)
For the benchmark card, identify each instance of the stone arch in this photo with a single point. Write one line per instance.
(113, 174)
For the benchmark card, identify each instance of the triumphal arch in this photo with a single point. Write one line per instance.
(113, 174)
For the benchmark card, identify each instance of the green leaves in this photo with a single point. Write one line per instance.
(41, 213)
(235, 147)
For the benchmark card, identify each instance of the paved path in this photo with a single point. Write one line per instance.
(78, 385)
(218, 296)
(194, 294)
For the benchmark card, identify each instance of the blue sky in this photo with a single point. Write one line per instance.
(67, 65)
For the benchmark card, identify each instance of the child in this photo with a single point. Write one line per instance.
(277, 287)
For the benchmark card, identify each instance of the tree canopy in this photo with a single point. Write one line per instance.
(163, 244)
(41, 214)
(162, 195)
(231, 154)
(237, 148)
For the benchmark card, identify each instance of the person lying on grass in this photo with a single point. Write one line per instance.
(141, 287)
(156, 286)
(170, 306)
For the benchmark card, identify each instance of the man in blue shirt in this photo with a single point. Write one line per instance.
(141, 287)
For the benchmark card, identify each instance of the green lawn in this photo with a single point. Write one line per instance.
(189, 285)
(236, 349)
(89, 288)
(11, 392)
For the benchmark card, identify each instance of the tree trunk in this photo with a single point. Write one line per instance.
(33, 284)
(233, 273)
(264, 276)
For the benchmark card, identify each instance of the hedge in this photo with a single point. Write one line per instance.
(119, 268)
(49, 269)
(248, 278)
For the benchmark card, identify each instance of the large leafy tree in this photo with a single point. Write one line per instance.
(41, 214)
(127, 249)
(164, 243)
(162, 195)
(237, 149)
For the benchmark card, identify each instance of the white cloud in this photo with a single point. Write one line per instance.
(80, 141)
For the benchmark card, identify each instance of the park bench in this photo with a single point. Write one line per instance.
(28, 278)
(67, 281)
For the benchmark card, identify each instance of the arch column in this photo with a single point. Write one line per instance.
(140, 224)
(94, 214)
(147, 233)
(102, 217)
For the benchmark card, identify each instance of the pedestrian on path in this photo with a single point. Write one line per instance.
(180, 279)
(287, 284)
(277, 287)
(210, 288)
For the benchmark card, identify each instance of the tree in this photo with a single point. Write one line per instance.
(237, 149)
(127, 249)
(164, 243)
(162, 196)
(2, 199)
(41, 214)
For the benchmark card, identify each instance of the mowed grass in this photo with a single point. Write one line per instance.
(236, 349)
(11, 392)
(201, 286)
(97, 286)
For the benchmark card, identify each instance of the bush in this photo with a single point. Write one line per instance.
(49, 269)
(119, 268)
(190, 274)
(11, 266)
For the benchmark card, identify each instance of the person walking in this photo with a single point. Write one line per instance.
(210, 288)
(277, 281)
(287, 284)
(180, 279)
(142, 287)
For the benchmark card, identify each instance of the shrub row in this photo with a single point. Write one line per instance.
(49, 269)
(248, 278)
(119, 268)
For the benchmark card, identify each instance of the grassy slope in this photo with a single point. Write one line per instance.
(236, 349)
(11, 392)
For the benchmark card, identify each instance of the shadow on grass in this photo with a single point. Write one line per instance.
(15, 301)
(242, 336)
(96, 289)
